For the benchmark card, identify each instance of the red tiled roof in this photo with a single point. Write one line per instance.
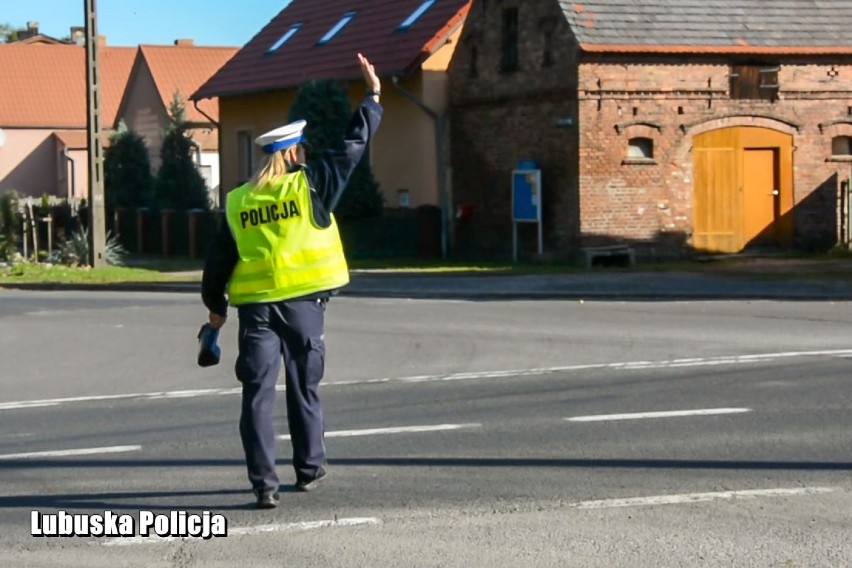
(373, 31)
(44, 86)
(183, 68)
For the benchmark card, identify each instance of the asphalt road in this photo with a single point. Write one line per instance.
(460, 433)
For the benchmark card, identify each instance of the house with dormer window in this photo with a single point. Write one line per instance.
(410, 42)
(667, 126)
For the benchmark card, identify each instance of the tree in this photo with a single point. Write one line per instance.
(127, 170)
(8, 33)
(325, 106)
(179, 185)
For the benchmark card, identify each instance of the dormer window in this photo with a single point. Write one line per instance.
(415, 15)
(347, 17)
(284, 38)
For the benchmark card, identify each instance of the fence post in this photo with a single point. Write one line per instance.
(165, 231)
(140, 229)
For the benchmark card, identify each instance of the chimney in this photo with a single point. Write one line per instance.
(101, 41)
(78, 35)
(183, 42)
(31, 31)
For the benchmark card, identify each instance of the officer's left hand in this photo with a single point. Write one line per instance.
(216, 321)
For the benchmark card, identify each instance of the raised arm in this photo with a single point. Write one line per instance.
(331, 173)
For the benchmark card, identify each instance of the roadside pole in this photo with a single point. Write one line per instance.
(97, 221)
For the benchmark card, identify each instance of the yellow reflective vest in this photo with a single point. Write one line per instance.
(283, 254)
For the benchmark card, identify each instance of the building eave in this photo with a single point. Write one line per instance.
(715, 49)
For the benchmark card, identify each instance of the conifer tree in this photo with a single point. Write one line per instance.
(179, 184)
(325, 106)
(127, 170)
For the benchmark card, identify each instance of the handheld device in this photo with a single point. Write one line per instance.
(208, 348)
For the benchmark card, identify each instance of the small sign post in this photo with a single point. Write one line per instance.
(526, 202)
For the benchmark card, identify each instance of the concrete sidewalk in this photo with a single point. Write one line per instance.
(782, 280)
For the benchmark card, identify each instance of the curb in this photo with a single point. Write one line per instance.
(473, 295)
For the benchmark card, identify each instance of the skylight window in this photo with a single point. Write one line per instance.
(285, 38)
(415, 15)
(347, 17)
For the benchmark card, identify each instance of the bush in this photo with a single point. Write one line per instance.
(76, 252)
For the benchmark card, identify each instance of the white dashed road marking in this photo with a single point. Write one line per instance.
(67, 453)
(626, 366)
(665, 414)
(259, 529)
(699, 497)
(394, 430)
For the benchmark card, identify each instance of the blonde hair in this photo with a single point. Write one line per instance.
(273, 168)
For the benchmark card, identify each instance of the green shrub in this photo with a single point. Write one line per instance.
(76, 252)
(9, 222)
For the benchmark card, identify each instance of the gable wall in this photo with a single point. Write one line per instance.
(143, 112)
(498, 118)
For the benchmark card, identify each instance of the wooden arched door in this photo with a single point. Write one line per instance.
(743, 189)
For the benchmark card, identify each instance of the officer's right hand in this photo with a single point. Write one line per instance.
(369, 73)
(216, 321)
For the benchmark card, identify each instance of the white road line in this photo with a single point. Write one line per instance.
(259, 529)
(66, 453)
(626, 366)
(663, 414)
(699, 497)
(395, 430)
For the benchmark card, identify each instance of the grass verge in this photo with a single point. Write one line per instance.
(42, 273)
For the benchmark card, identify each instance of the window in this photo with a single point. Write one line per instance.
(547, 57)
(415, 15)
(285, 38)
(548, 31)
(245, 156)
(640, 149)
(509, 60)
(347, 17)
(756, 82)
(404, 198)
(841, 146)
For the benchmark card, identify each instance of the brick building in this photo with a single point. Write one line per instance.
(673, 126)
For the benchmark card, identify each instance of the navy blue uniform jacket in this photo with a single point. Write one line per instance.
(327, 178)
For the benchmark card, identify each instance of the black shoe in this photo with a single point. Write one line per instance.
(309, 484)
(266, 498)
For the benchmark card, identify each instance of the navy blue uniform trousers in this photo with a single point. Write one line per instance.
(292, 332)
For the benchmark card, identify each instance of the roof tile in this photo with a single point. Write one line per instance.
(44, 86)
(818, 26)
(373, 32)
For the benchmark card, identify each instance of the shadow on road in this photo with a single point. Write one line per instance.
(102, 501)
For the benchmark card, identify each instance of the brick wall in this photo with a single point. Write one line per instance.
(498, 118)
(671, 103)
(576, 116)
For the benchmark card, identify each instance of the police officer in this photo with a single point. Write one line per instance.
(280, 257)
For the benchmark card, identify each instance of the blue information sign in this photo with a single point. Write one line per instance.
(526, 195)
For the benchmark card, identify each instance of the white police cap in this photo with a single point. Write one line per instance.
(282, 137)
